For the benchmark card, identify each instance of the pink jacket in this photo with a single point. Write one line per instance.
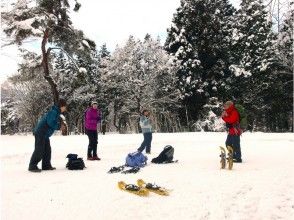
(92, 118)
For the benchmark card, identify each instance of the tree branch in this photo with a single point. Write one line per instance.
(45, 65)
(58, 48)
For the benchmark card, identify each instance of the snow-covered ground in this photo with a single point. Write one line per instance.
(260, 188)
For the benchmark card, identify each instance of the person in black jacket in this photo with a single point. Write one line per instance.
(44, 129)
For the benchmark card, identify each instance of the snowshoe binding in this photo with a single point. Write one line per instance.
(132, 170)
(153, 188)
(116, 169)
(131, 188)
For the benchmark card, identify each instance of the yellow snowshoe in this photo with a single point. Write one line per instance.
(153, 188)
(230, 157)
(223, 157)
(131, 188)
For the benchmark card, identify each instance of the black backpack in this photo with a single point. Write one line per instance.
(75, 163)
(166, 156)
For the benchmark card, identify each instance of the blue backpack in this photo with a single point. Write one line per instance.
(136, 159)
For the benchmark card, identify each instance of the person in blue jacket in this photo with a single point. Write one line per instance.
(46, 126)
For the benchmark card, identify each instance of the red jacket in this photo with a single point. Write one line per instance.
(233, 119)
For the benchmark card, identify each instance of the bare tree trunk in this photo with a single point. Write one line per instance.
(45, 56)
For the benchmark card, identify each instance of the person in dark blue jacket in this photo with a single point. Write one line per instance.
(46, 126)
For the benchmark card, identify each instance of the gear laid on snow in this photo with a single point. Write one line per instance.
(230, 157)
(226, 160)
(152, 187)
(223, 158)
(75, 163)
(116, 169)
(166, 156)
(132, 170)
(136, 159)
(131, 188)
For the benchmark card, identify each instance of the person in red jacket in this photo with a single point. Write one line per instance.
(231, 116)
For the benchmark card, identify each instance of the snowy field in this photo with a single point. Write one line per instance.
(262, 187)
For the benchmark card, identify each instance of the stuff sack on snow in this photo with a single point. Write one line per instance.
(75, 163)
(166, 156)
(136, 159)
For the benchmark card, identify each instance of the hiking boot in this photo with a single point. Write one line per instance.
(90, 158)
(49, 168)
(35, 169)
(96, 158)
(237, 160)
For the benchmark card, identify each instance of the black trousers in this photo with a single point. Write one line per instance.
(234, 142)
(42, 152)
(93, 142)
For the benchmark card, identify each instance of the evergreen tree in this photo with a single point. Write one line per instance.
(140, 76)
(104, 51)
(199, 38)
(29, 96)
(103, 57)
(50, 21)
(285, 40)
(9, 117)
(281, 115)
(77, 85)
(256, 84)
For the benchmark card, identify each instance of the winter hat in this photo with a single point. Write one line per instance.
(228, 103)
(94, 102)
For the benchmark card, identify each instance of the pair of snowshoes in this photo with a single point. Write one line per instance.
(121, 169)
(226, 157)
(142, 188)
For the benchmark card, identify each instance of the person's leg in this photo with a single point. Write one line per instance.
(89, 152)
(148, 144)
(93, 136)
(38, 152)
(144, 143)
(229, 141)
(46, 160)
(237, 148)
(95, 143)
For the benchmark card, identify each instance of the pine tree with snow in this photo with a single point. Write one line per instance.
(253, 39)
(9, 117)
(282, 86)
(140, 75)
(49, 21)
(77, 82)
(285, 40)
(256, 83)
(29, 95)
(199, 38)
(103, 52)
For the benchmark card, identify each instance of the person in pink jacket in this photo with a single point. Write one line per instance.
(92, 120)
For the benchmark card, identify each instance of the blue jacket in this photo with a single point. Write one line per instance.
(145, 124)
(49, 122)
